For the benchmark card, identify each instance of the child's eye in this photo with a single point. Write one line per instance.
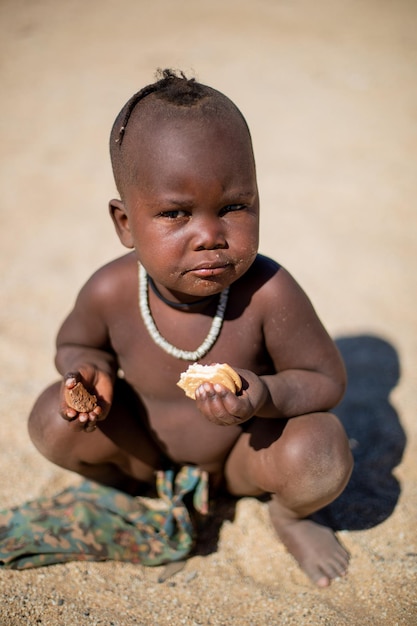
(174, 214)
(229, 208)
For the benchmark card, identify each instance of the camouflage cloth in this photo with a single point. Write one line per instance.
(91, 522)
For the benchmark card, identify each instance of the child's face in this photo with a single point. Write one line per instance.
(192, 210)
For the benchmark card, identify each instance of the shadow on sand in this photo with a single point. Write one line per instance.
(375, 433)
(376, 437)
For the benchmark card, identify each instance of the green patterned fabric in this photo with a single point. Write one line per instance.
(91, 522)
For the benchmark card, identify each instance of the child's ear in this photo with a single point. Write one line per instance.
(121, 222)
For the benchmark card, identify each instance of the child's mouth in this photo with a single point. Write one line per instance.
(208, 271)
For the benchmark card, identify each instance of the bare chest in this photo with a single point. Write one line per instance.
(154, 373)
(174, 419)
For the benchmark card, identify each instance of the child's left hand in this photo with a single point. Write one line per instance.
(222, 407)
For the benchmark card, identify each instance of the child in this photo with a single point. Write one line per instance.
(189, 212)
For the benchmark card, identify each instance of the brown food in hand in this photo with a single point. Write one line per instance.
(79, 399)
(198, 374)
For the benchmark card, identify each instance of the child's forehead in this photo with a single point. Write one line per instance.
(151, 115)
(171, 130)
(157, 132)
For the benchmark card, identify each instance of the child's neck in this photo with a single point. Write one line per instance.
(179, 305)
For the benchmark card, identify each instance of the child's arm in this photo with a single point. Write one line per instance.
(309, 373)
(84, 355)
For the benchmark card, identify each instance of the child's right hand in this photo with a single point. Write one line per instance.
(80, 407)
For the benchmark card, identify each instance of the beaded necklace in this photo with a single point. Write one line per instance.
(160, 341)
(176, 305)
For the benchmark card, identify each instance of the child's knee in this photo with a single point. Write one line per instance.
(46, 403)
(43, 420)
(318, 453)
(312, 457)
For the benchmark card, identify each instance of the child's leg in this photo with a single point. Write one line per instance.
(118, 453)
(305, 463)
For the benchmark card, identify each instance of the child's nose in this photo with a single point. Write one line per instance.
(209, 233)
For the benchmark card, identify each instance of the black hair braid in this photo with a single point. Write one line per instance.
(174, 87)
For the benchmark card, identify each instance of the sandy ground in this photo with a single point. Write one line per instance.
(329, 91)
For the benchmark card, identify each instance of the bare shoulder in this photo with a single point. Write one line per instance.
(294, 334)
(97, 303)
(273, 285)
(111, 280)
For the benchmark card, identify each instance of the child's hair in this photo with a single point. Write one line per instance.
(173, 88)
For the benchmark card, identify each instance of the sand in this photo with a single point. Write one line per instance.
(329, 91)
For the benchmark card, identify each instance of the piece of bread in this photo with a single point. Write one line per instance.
(198, 374)
(79, 399)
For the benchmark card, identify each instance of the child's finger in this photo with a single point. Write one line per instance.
(68, 413)
(71, 379)
(216, 403)
(90, 428)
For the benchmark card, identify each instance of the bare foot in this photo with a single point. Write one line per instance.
(314, 547)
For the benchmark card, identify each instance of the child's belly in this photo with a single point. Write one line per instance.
(186, 436)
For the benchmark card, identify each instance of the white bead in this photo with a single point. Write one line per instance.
(185, 355)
